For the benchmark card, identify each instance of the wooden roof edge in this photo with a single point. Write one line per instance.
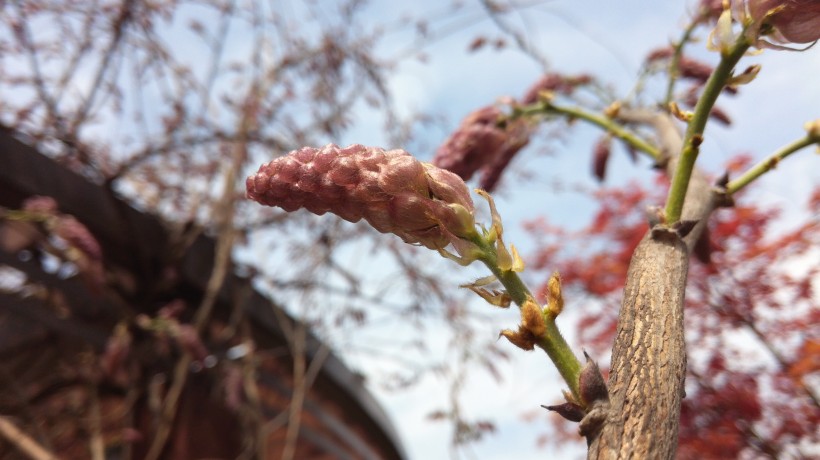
(116, 224)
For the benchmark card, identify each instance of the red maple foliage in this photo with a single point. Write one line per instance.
(752, 318)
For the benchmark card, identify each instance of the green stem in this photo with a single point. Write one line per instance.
(694, 132)
(675, 62)
(769, 163)
(561, 354)
(552, 342)
(25, 216)
(518, 291)
(606, 123)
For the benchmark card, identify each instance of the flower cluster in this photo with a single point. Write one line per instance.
(40, 219)
(478, 139)
(486, 141)
(390, 189)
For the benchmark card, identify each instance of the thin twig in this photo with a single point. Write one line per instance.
(224, 245)
(697, 124)
(96, 445)
(769, 163)
(303, 376)
(606, 123)
(23, 442)
(493, 11)
(39, 80)
(297, 400)
(674, 63)
(119, 26)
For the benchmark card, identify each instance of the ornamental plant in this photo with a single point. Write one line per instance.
(637, 413)
(423, 204)
(169, 104)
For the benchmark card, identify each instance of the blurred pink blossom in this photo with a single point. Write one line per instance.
(477, 141)
(792, 21)
(41, 204)
(485, 141)
(554, 82)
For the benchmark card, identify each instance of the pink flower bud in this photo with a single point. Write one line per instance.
(390, 189)
(694, 69)
(600, 157)
(554, 82)
(189, 340)
(710, 9)
(518, 136)
(484, 141)
(660, 53)
(793, 21)
(84, 250)
(474, 144)
(76, 234)
(41, 204)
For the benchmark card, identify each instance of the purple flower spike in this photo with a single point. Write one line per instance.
(474, 144)
(390, 189)
(484, 141)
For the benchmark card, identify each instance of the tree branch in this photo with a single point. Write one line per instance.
(648, 368)
(649, 358)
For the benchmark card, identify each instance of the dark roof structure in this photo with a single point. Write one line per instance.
(53, 333)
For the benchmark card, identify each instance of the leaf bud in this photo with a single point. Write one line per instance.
(570, 411)
(591, 386)
(555, 303)
(532, 318)
(522, 338)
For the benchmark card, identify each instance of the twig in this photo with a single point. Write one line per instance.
(551, 340)
(119, 26)
(40, 86)
(521, 41)
(297, 400)
(224, 245)
(23, 442)
(604, 122)
(694, 130)
(96, 445)
(674, 70)
(221, 264)
(769, 163)
(303, 378)
(251, 388)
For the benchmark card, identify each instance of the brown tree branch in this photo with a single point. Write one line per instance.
(648, 368)
(649, 356)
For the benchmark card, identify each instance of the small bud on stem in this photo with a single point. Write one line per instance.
(555, 304)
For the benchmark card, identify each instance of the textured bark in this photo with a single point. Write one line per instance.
(648, 368)
(649, 359)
